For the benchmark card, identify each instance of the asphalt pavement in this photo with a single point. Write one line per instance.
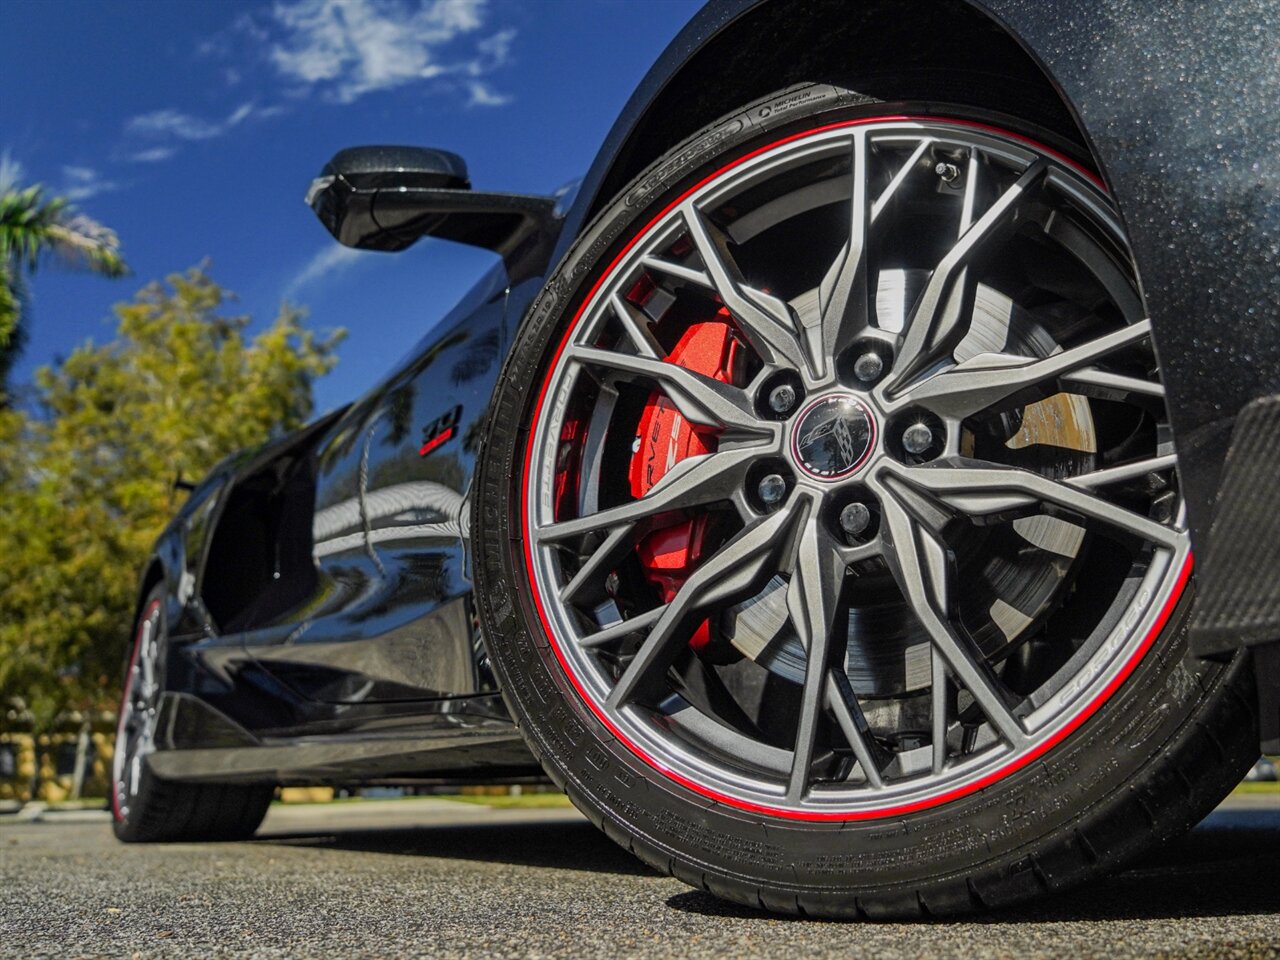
(433, 877)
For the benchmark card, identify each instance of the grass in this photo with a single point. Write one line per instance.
(528, 801)
(1258, 786)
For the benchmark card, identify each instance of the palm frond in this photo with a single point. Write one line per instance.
(31, 227)
(9, 301)
(83, 241)
(25, 219)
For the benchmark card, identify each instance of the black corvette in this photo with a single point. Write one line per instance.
(811, 492)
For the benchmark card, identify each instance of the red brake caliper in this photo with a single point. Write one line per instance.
(671, 553)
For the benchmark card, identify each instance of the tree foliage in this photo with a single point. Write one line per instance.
(32, 226)
(87, 475)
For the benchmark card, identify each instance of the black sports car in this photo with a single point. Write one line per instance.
(811, 493)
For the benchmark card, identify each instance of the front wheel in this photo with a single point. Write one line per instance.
(144, 807)
(830, 545)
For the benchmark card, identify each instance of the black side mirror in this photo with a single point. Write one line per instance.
(386, 198)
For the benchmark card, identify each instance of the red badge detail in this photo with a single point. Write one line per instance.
(435, 441)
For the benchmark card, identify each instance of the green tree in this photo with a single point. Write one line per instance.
(34, 226)
(87, 475)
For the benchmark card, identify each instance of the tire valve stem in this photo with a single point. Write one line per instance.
(947, 172)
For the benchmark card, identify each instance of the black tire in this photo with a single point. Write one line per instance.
(1157, 756)
(161, 810)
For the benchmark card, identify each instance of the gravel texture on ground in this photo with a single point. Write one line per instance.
(420, 878)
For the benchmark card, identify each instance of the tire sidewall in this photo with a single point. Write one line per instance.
(626, 795)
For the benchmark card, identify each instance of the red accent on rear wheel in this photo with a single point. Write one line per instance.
(147, 613)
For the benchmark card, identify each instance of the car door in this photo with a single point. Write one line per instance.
(392, 617)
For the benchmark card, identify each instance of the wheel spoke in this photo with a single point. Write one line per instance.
(899, 179)
(1125, 471)
(979, 488)
(843, 704)
(938, 708)
(678, 271)
(844, 296)
(700, 399)
(989, 380)
(602, 560)
(692, 482)
(935, 325)
(813, 599)
(623, 628)
(920, 563)
(1113, 386)
(637, 327)
(737, 570)
(764, 320)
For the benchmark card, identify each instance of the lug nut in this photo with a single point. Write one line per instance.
(917, 438)
(855, 518)
(772, 488)
(782, 398)
(868, 367)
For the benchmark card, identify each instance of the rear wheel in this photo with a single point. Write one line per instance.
(144, 807)
(829, 541)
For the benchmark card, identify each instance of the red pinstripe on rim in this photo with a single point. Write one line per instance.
(1017, 763)
(152, 607)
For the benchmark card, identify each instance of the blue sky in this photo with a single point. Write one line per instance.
(192, 129)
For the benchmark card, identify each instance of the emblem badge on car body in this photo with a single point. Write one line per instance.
(833, 437)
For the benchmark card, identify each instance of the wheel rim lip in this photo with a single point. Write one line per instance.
(121, 756)
(1155, 618)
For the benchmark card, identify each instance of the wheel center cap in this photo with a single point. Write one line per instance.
(833, 436)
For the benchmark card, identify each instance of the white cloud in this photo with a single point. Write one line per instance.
(171, 124)
(153, 155)
(344, 49)
(81, 183)
(331, 259)
(482, 95)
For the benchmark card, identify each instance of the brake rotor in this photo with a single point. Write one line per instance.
(1015, 573)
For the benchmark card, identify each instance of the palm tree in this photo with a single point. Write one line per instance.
(32, 227)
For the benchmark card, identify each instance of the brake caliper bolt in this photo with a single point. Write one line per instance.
(782, 398)
(948, 172)
(855, 518)
(772, 488)
(917, 438)
(868, 367)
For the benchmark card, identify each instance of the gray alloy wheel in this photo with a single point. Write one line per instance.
(144, 807)
(829, 517)
(926, 441)
(136, 724)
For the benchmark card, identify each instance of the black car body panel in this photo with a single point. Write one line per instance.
(357, 659)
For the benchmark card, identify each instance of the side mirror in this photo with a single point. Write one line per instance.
(386, 198)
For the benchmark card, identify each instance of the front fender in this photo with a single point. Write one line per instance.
(1176, 103)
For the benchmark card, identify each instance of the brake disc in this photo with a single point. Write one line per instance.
(1026, 565)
